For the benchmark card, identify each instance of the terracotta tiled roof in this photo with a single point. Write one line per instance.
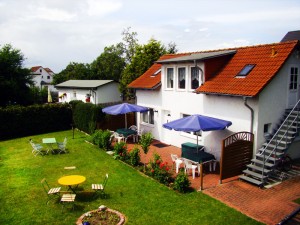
(35, 68)
(151, 78)
(226, 82)
(267, 64)
(48, 70)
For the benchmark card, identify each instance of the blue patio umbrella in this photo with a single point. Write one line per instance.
(124, 108)
(195, 123)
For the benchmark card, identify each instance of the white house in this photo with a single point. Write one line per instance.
(94, 91)
(42, 77)
(249, 86)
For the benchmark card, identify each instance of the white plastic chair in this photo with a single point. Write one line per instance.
(213, 163)
(177, 161)
(188, 165)
(118, 136)
(135, 136)
(139, 134)
(133, 127)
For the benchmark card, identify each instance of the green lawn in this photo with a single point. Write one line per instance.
(141, 199)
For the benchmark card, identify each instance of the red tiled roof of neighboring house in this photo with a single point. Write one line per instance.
(268, 59)
(48, 70)
(35, 68)
(151, 78)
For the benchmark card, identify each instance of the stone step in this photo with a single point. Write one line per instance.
(267, 152)
(272, 146)
(270, 158)
(251, 180)
(258, 168)
(254, 174)
(261, 163)
(289, 136)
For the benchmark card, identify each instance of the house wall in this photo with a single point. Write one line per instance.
(103, 94)
(177, 102)
(268, 107)
(273, 101)
(108, 93)
(42, 75)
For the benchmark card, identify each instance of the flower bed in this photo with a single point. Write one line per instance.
(103, 215)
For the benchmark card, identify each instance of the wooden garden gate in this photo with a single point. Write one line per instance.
(237, 152)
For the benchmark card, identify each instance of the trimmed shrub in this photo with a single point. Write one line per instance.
(105, 140)
(134, 156)
(159, 170)
(120, 151)
(145, 141)
(182, 182)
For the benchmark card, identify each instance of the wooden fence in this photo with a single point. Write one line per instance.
(237, 152)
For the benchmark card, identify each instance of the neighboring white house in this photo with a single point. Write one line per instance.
(42, 77)
(249, 86)
(94, 91)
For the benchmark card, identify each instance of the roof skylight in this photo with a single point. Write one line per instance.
(246, 70)
(157, 72)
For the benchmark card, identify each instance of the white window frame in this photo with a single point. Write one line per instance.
(169, 82)
(294, 75)
(181, 76)
(192, 77)
(148, 117)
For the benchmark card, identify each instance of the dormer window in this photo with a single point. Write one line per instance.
(181, 78)
(246, 70)
(194, 78)
(170, 77)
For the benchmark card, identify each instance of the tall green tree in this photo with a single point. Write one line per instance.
(143, 58)
(14, 79)
(74, 71)
(110, 64)
(130, 44)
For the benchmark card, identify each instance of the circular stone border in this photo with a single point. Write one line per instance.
(122, 217)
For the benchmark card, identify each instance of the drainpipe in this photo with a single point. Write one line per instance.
(202, 74)
(252, 113)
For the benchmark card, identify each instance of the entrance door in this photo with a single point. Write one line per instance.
(166, 134)
(293, 87)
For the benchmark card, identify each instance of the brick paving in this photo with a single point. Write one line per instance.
(268, 206)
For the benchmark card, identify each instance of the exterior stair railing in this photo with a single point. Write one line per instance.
(275, 137)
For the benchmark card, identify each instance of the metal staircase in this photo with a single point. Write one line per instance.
(266, 159)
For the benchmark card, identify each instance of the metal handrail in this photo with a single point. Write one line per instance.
(285, 122)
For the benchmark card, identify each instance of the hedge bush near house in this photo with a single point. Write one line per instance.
(86, 115)
(20, 121)
(182, 182)
(101, 138)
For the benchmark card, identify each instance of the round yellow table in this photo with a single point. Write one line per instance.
(71, 181)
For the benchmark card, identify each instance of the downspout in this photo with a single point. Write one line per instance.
(252, 113)
(202, 74)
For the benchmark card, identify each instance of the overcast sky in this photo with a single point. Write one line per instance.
(53, 33)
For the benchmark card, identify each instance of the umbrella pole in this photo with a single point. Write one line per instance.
(126, 120)
(197, 142)
(201, 176)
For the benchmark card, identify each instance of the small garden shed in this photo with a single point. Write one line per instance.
(94, 91)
